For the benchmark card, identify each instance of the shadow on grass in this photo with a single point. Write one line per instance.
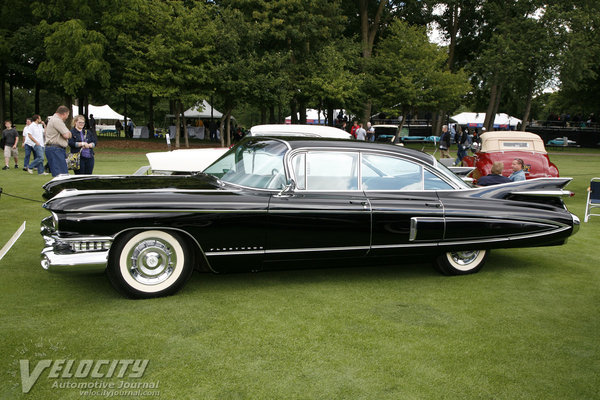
(96, 284)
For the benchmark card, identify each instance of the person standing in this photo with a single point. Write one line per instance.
(461, 137)
(27, 144)
(92, 123)
(57, 136)
(118, 127)
(370, 132)
(36, 135)
(353, 129)
(11, 140)
(83, 141)
(445, 142)
(518, 172)
(360, 133)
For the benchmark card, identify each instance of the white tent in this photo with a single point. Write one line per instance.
(101, 112)
(203, 111)
(312, 117)
(475, 120)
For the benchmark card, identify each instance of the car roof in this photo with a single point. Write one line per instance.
(511, 141)
(303, 142)
(299, 130)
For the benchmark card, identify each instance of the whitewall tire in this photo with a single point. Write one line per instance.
(149, 263)
(461, 262)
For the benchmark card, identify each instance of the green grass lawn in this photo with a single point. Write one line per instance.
(525, 327)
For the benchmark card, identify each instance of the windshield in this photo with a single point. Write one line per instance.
(256, 163)
(453, 177)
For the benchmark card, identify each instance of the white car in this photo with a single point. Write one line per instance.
(196, 160)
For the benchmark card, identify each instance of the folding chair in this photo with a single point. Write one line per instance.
(593, 199)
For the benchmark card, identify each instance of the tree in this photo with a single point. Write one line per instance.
(172, 58)
(409, 72)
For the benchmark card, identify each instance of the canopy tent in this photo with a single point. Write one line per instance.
(201, 111)
(101, 112)
(475, 120)
(313, 118)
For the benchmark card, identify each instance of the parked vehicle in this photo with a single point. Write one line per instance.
(276, 202)
(506, 146)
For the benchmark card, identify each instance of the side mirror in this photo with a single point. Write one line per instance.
(289, 189)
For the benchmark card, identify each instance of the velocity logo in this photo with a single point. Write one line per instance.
(95, 369)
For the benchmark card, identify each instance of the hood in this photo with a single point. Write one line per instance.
(128, 182)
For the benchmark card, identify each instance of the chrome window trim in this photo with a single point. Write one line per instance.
(430, 167)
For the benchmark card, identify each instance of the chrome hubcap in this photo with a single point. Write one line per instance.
(151, 261)
(464, 257)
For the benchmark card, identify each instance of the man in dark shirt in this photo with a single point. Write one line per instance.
(495, 177)
(11, 140)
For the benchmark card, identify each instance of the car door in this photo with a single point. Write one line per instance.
(407, 214)
(327, 215)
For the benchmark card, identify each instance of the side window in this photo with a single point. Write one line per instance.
(299, 167)
(381, 172)
(331, 170)
(433, 182)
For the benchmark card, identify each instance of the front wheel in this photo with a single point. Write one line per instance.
(461, 262)
(149, 264)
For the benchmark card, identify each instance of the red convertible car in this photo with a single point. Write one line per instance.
(505, 146)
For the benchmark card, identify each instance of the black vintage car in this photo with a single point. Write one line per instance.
(270, 201)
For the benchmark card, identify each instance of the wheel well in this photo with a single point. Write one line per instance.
(200, 261)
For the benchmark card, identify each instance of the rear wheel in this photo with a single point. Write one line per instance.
(149, 264)
(461, 262)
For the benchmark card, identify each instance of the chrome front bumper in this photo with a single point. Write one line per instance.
(73, 251)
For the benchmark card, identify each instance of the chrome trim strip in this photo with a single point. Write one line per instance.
(545, 193)
(70, 191)
(508, 238)
(317, 249)
(399, 246)
(234, 253)
(120, 210)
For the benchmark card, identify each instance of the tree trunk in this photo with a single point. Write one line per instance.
(185, 130)
(263, 115)
(527, 106)
(368, 31)
(37, 98)
(125, 115)
(177, 122)
(151, 116)
(453, 34)
(491, 105)
(11, 101)
(496, 106)
(330, 118)
(302, 110)
(399, 133)
(221, 126)
(272, 119)
(228, 122)
(294, 109)
(2, 97)
(69, 104)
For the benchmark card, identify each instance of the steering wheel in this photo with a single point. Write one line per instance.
(277, 180)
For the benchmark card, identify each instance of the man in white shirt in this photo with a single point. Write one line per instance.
(27, 144)
(361, 134)
(36, 136)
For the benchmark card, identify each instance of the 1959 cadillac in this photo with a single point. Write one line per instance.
(272, 200)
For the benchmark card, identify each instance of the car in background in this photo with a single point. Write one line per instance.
(387, 133)
(281, 202)
(505, 146)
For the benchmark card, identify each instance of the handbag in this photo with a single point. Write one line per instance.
(74, 161)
